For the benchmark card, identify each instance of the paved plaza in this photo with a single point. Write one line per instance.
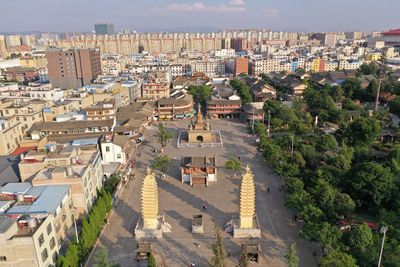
(179, 202)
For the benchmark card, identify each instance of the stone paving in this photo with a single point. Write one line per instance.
(179, 202)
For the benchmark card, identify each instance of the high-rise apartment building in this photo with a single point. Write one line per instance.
(13, 41)
(73, 68)
(104, 28)
(3, 49)
(328, 39)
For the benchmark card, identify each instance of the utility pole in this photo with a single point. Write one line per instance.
(383, 230)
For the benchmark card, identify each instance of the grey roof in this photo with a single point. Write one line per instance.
(50, 197)
(15, 188)
(9, 172)
(6, 223)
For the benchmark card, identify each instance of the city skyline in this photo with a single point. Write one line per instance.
(205, 15)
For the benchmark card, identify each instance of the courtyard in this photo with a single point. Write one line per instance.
(179, 202)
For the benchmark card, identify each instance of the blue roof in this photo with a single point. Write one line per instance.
(15, 188)
(49, 200)
(82, 142)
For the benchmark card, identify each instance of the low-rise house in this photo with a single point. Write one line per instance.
(117, 148)
(78, 166)
(10, 135)
(28, 241)
(49, 129)
(178, 106)
(198, 170)
(104, 110)
(254, 111)
(37, 201)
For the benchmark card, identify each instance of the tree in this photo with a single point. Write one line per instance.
(200, 93)
(71, 258)
(371, 185)
(327, 143)
(296, 197)
(336, 258)
(102, 259)
(394, 106)
(363, 131)
(244, 257)
(112, 182)
(291, 256)
(161, 163)
(360, 239)
(233, 165)
(152, 260)
(163, 135)
(218, 249)
(323, 232)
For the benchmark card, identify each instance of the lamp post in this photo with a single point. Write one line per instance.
(383, 231)
(76, 229)
(269, 123)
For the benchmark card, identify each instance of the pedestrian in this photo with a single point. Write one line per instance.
(191, 264)
(238, 158)
(295, 218)
(268, 189)
(229, 253)
(280, 189)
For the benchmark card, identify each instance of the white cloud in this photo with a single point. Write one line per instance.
(237, 2)
(234, 6)
(272, 12)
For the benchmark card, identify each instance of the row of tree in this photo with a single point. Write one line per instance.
(77, 253)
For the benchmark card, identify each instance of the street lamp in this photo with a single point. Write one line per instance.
(383, 231)
(76, 229)
(269, 123)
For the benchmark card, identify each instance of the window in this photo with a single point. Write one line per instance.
(55, 257)
(49, 228)
(118, 156)
(41, 240)
(24, 118)
(44, 255)
(3, 258)
(52, 243)
(107, 149)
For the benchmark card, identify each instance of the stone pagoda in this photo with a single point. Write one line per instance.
(150, 225)
(200, 131)
(248, 225)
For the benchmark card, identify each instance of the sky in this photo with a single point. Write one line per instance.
(156, 15)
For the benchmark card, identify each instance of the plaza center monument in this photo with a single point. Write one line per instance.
(199, 134)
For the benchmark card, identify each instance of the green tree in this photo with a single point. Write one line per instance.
(360, 239)
(234, 165)
(327, 143)
(152, 260)
(368, 69)
(323, 232)
(163, 136)
(363, 131)
(291, 256)
(218, 249)
(371, 185)
(102, 259)
(336, 258)
(200, 93)
(112, 182)
(296, 197)
(394, 106)
(71, 258)
(161, 163)
(244, 257)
